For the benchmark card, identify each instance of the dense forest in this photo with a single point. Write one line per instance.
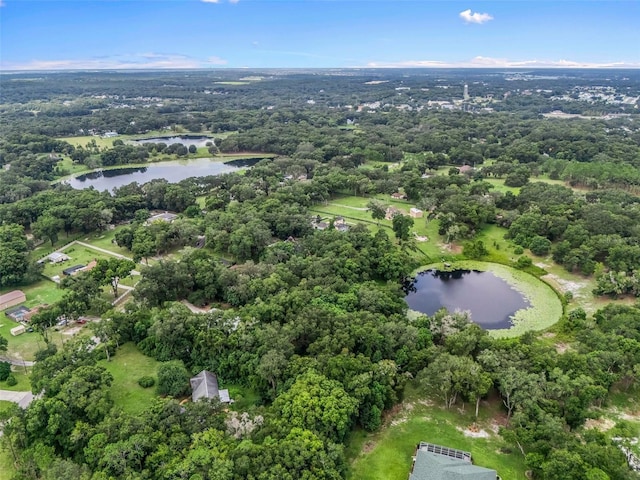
(310, 323)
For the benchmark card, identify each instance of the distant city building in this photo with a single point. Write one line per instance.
(466, 92)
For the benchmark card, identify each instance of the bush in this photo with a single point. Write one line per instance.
(523, 262)
(518, 250)
(11, 380)
(5, 371)
(539, 245)
(146, 381)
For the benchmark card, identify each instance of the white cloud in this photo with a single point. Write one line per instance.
(474, 17)
(490, 62)
(234, 1)
(119, 62)
(211, 1)
(216, 61)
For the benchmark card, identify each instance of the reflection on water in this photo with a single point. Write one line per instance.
(490, 299)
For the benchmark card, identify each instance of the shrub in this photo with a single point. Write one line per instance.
(518, 250)
(146, 381)
(523, 262)
(11, 380)
(539, 245)
(5, 371)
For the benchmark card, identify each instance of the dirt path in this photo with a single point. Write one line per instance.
(360, 209)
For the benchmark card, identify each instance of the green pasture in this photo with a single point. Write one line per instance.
(106, 241)
(127, 366)
(387, 454)
(500, 249)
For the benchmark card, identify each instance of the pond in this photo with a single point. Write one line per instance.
(186, 140)
(490, 299)
(172, 171)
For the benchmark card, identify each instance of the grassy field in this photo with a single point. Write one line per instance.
(78, 255)
(23, 385)
(127, 366)
(44, 291)
(105, 240)
(387, 454)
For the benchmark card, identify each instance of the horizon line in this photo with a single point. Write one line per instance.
(380, 67)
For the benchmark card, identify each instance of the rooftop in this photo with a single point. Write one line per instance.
(435, 462)
(10, 296)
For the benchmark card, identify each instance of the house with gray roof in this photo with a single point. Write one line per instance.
(435, 462)
(205, 385)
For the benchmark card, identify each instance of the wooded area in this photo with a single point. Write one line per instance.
(302, 310)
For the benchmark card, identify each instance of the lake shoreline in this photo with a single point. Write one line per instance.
(545, 307)
(221, 158)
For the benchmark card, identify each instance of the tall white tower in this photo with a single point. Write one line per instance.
(466, 91)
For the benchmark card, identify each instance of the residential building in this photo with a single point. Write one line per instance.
(435, 462)
(205, 385)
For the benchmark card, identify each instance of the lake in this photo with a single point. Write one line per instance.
(186, 140)
(173, 171)
(490, 299)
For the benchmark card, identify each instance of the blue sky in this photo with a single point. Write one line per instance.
(58, 34)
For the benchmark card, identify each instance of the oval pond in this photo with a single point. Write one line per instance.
(172, 171)
(490, 299)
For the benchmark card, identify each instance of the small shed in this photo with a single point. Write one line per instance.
(57, 257)
(205, 385)
(11, 299)
(19, 330)
(73, 270)
(415, 213)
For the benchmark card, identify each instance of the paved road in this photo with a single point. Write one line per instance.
(17, 361)
(21, 398)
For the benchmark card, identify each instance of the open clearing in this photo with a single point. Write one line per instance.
(387, 454)
(127, 366)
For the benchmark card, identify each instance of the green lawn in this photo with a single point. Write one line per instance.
(105, 240)
(44, 291)
(387, 454)
(127, 366)
(500, 249)
(78, 255)
(23, 385)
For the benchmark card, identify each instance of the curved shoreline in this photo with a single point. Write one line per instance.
(545, 307)
(218, 158)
